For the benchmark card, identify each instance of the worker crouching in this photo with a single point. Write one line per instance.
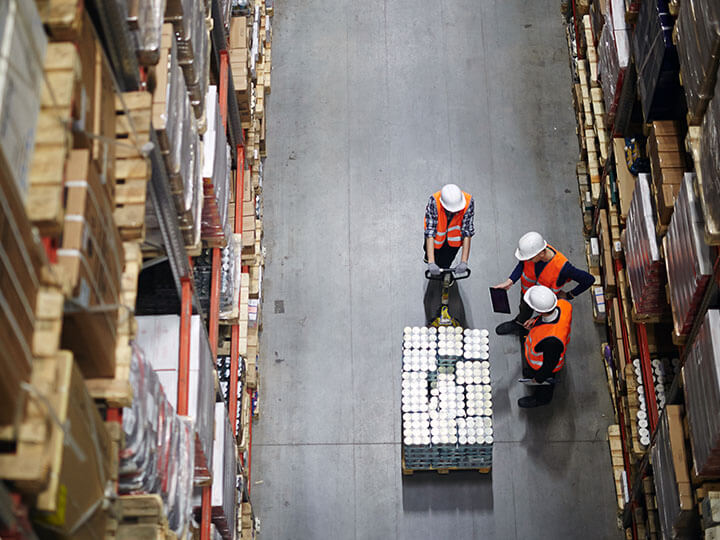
(545, 345)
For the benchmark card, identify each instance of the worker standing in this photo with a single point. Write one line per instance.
(449, 217)
(545, 344)
(540, 264)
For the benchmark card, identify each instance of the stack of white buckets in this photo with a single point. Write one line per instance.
(446, 392)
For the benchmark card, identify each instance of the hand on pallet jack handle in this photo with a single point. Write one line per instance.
(444, 271)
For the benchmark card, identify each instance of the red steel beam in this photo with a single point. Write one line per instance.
(215, 301)
(223, 86)
(184, 360)
(206, 513)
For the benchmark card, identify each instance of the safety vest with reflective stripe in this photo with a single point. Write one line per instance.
(453, 233)
(541, 330)
(548, 275)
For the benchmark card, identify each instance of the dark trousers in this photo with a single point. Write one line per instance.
(525, 311)
(444, 256)
(543, 394)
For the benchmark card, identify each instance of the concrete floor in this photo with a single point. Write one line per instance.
(375, 105)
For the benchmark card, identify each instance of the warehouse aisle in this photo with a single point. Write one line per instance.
(374, 106)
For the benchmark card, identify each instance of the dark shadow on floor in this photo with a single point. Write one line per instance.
(461, 490)
(433, 300)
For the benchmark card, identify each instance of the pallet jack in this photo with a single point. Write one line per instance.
(448, 278)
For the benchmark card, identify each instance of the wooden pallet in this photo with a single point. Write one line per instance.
(141, 517)
(61, 18)
(44, 202)
(132, 171)
(443, 470)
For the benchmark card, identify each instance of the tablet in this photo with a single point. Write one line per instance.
(500, 302)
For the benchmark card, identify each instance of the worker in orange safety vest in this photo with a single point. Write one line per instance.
(449, 216)
(545, 345)
(540, 264)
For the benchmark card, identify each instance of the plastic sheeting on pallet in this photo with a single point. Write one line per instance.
(709, 169)
(656, 60)
(158, 456)
(216, 173)
(645, 269)
(193, 40)
(613, 53)
(145, 23)
(698, 46)
(22, 52)
(687, 257)
(701, 375)
(670, 476)
(159, 337)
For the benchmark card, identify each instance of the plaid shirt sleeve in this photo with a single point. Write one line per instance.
(468, 222)
(431, 218)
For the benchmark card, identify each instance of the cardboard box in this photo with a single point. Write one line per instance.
(82, 469)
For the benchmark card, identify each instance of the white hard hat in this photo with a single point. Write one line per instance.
(451, 197)
(529, 245)
(540, 298)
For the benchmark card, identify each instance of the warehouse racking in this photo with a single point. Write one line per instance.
(645, 96)
(131, 223)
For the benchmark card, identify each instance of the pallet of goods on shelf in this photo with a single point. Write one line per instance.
(667, 165)
(224, 488)
(616, 459)
(193, 41)
(645, 268)
(177, 131)
(32, 302)
(238, 46)
(216, 174)
(687, 258)
(698, 47)
(613, 54)
(90, 266)
(707, 169)
(21, 83)
(145, 25)
(132, 172)
(223, 365)
(656, 61)
(702, 395)
(157, 455)
(61, 452)
(673, 490)
(159, 338)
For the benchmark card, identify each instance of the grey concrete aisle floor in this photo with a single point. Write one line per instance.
(374, 106)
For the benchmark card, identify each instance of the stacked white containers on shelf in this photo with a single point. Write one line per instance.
(159, 338)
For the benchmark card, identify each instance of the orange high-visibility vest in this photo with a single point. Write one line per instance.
(548, 276)
(453, 233)
(541, 330)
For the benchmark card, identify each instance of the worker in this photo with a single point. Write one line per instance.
(449, 226)
(540, 264)
(545, 345)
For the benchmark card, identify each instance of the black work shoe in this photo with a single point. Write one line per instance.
(510, 327)
(528, 402)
